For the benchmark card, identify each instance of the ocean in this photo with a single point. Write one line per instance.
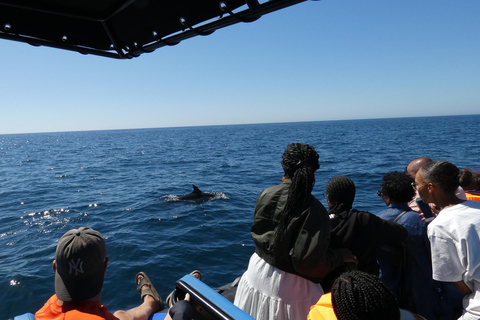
(124, 183)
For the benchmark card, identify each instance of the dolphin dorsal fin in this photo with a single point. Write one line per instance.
(196, 190)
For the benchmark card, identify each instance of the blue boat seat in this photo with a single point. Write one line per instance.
(25, 316)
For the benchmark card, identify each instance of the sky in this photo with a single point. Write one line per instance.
(314, 61)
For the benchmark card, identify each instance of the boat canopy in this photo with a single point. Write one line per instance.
(123, 29)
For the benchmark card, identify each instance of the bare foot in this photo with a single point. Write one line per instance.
(197, 275)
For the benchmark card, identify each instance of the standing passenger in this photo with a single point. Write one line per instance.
(412, 282)
(412, 170)
(359, 231)
(291, 231)
(454, 234)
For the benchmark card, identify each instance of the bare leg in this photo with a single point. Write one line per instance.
(142, 312)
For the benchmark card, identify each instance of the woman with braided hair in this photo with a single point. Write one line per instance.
(291, 232)
(360, 295)
(357, 295)
(360, 231)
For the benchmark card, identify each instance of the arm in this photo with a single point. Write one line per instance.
(386, 232)
(462, 287)
(180, 310)
(311, 254)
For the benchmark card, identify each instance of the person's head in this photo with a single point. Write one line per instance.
(357, 295)
(340, 192)
(80, 265)
(299, 162)
(466, 179)
(397, 188)
(469, 180)
(441, 174)
(415, 165)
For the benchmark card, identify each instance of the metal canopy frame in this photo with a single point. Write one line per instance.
(123, 29)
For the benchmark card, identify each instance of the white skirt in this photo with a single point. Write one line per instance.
(267, 293)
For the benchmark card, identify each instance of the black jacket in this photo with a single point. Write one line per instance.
(362, 233)
(306, 243)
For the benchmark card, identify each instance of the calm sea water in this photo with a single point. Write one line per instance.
(122, 183)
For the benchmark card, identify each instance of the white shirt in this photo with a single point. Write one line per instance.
(455, 240)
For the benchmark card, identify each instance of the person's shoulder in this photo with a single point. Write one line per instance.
(472, 204)
(411, 217)
(49, 310)
(442, 223)
(316, 209)
(388, 214)
(271, 190)
(316, 202)
(364, 218)
(363, 215)
(463, 209)
(323, 309)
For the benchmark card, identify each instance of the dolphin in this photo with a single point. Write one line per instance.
(197, 194)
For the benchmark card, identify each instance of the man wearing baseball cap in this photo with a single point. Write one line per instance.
(80, 265)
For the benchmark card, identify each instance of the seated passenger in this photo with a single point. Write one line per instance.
(359, 295)
(359, 231)
(412, 281)
(291, 231)
(80, 265)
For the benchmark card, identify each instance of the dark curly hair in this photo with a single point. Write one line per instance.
(442, 174)
(299, 162)
(398, 187)
(357, 295)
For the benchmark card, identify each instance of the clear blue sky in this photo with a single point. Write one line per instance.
(325, 60)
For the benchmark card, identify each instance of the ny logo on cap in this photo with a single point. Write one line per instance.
(76, 266)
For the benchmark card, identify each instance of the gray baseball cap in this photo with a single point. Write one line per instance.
(80, 260)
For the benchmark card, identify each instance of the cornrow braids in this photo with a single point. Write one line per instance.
(357, 295)
(341, 193)
(299, 162)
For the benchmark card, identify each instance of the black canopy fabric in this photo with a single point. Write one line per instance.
(123, 28)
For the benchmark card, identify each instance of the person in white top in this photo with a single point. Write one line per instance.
(411, 170)
(454, 234)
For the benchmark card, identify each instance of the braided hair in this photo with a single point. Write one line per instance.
(357, 295)
(299, 162)
(341, 193)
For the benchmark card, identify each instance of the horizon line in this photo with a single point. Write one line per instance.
(238, 124)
